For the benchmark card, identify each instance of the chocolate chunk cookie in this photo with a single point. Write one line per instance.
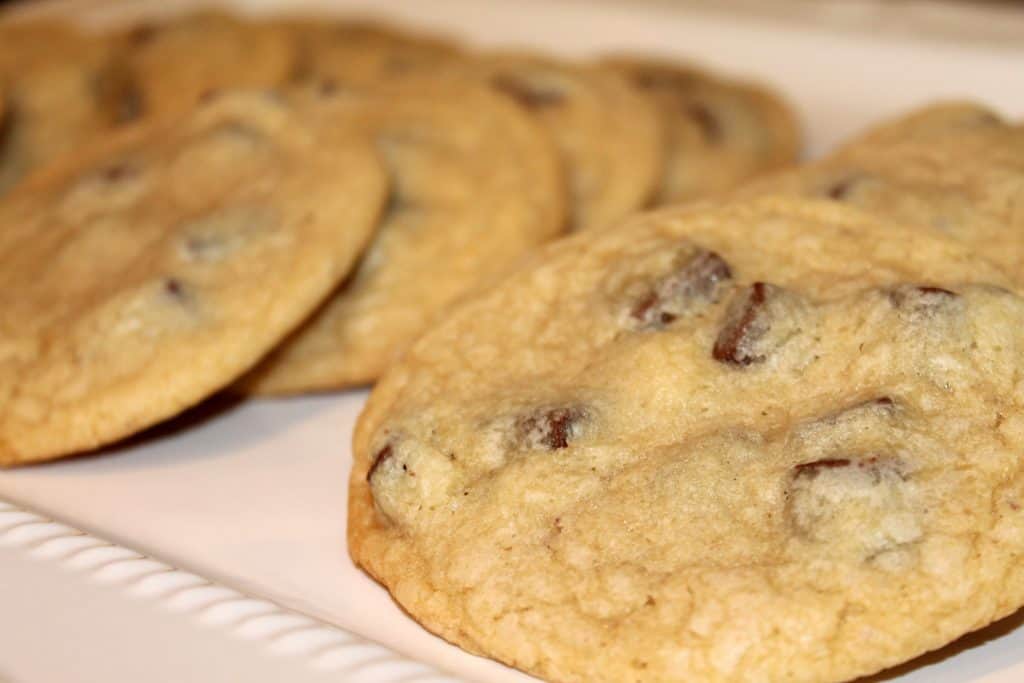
(776, 440)
(144, 276)
(476, 185)
(719, 133)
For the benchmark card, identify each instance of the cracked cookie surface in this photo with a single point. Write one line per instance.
(134, 280)
(475, 186)
(775, 440)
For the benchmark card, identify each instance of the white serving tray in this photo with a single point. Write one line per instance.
(214, 549)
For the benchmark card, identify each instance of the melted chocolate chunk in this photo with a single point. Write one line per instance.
(697, 279)
(552, 429)
(382, 456)
(527, 94)
(745, 326)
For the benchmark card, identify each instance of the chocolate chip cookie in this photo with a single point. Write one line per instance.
(148, 274)
(476, 185)
(775, 440)
(719, 133)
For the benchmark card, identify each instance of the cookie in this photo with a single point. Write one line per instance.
(360, 53)
(769, 441)
(63, 89)
(148, 274)
(952, 169)
(475, 185)
(719, 133)
(609, 137)
(175, 63)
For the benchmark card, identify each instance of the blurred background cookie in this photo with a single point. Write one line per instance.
(134, 279)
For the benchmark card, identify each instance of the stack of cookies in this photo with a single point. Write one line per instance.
(282, 206)
(771, 432)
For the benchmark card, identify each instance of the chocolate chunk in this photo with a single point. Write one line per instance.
(734, 344)
(811, 469)
(840, 190)
(529, 95)
(142, 34)
(382, 456)
(118, 172)
(174, 289)
(327, 88)
(209, 95)
(875, 466)
(551, 429)
(119, 95)
(709, 124)
(695, 280)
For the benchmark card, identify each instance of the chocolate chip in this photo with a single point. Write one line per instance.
(529, 95)
(119, 95)
(874, 466)
(551, 429)
(695, 280)
(209, 95)
(327, 88)
(811, 469)
(709, 124)
(840, 189)
(118, 172)
(382, 456)
(174, 288)
(142, 34)
(733, 344)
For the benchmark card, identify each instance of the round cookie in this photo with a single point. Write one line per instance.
(769, 441)
(609, 137)
(134, 279)
(719, 133)
(476, 184)
(175, 63)
(63, 90)
(357, 53)
(953, 169)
